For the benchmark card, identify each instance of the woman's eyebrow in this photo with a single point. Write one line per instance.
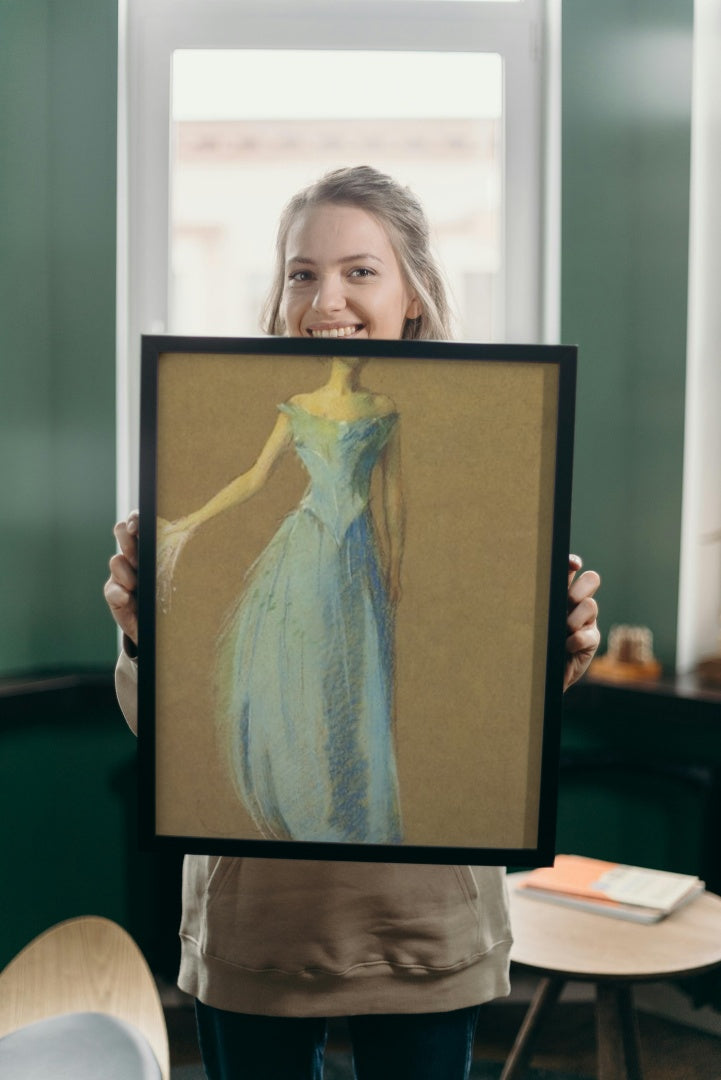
(361, 257)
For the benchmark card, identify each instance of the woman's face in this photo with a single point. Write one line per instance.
(342, 277)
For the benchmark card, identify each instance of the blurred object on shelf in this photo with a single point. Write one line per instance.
(709, 670)
(629, 657)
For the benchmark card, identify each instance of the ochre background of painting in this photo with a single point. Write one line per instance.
(478, 453)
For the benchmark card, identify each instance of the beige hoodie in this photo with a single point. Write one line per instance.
(299, 938)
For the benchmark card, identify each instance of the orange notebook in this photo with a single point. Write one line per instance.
(631, 892)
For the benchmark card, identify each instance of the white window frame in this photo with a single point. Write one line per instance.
(699, 597)
(526, 34)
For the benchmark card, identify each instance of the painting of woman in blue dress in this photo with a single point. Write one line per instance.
(306, 655)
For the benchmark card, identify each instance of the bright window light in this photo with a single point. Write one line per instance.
(239, 153)
(222, 84)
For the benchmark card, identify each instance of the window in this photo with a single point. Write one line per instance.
(235, 161)
(447, 95)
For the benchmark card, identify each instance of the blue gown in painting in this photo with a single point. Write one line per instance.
(307, 654)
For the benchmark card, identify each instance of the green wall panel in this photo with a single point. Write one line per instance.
(641, 780)
(25, 391)
(626, 147)
(69, 803)
(61, 787)
(58, 76)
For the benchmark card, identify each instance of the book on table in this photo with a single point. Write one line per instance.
(608, 888)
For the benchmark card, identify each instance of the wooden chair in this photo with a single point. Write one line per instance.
(90, 972)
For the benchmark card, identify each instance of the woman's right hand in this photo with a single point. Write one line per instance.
(122, 585)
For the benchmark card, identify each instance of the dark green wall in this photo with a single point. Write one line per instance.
(58, 74)
(66, 759)
(626, 146)
(69, 808)
(640, 778)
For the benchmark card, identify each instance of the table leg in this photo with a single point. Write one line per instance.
(617, 1033)
(544, 999)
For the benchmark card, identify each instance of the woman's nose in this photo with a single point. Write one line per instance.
(329, 296)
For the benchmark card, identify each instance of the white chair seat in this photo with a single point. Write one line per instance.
(78, 1046)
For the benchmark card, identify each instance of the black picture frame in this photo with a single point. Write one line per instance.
(479, 645)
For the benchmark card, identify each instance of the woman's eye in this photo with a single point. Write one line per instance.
(362, 272)
(300, 276)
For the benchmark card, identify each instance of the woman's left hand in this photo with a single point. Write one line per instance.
(583, 635)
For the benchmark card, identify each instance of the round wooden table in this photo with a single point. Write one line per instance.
(563, 944)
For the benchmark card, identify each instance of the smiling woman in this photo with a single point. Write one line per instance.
(331, 292)
(353, 259)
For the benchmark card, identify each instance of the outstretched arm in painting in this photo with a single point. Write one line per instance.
(173, 535)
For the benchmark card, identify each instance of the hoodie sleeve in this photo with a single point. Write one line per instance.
(126, 687)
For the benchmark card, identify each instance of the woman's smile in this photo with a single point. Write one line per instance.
(335, 331)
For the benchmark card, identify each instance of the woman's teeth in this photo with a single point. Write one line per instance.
(337, 331)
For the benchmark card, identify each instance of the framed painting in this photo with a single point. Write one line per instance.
(353, 601)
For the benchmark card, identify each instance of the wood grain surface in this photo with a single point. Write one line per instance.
(88, 964)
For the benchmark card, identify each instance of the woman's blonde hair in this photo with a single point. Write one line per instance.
(400, 212)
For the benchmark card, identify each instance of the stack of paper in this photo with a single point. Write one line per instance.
(624, 892)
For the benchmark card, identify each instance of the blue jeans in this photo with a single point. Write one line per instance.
(413, 1046)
